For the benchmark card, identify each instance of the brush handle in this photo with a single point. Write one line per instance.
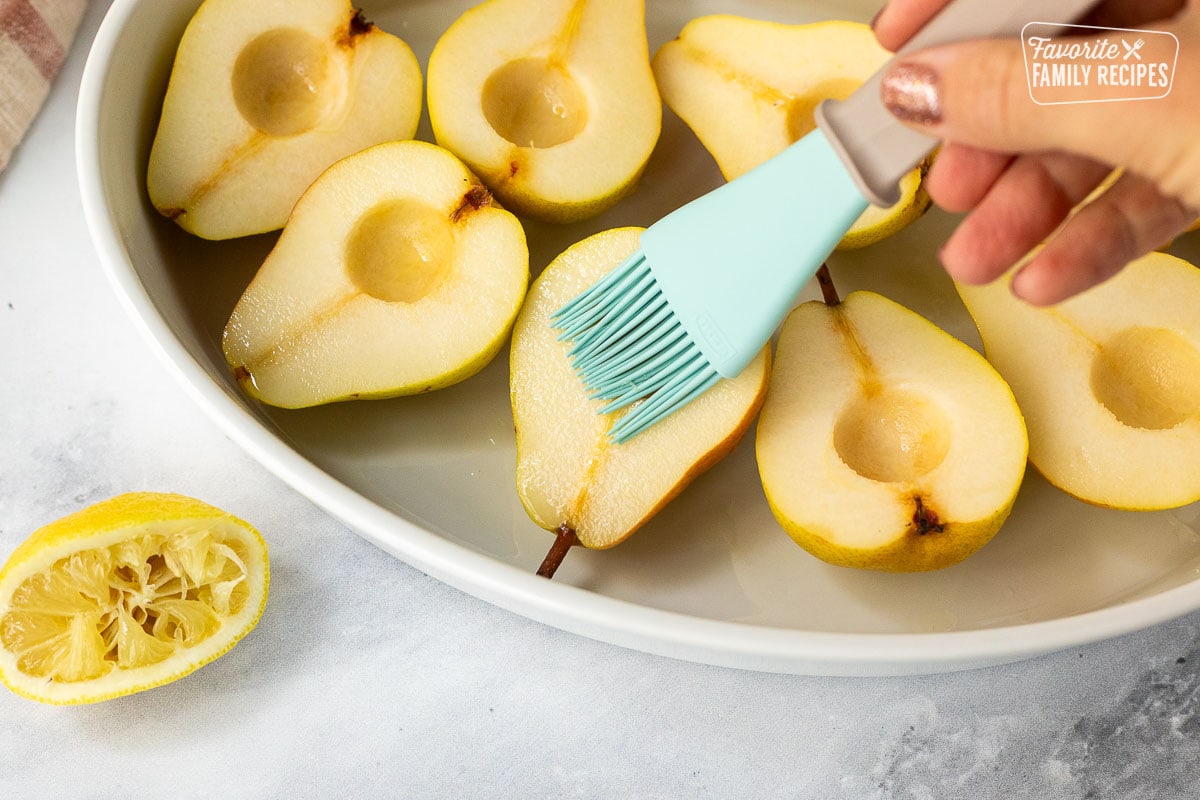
(878, 149)
(732, 261)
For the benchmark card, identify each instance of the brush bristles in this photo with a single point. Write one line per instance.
(630, 350)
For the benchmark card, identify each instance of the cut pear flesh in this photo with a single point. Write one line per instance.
(568, 472)
(749, 89)
(395, 275)
(262, 99)
(885, 443)
(1109, 382)
(551, 102)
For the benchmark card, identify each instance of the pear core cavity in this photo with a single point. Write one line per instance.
(400, 251)
(1148, 378)
(892, 435)
(535, 103)
(281, 82)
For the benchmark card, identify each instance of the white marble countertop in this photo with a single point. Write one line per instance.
(366, 678)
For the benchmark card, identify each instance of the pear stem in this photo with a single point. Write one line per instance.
(564, 540)
(828, 291)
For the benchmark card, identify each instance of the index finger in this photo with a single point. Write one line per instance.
(899, 20)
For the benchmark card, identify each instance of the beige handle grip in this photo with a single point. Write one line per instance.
(877, 149)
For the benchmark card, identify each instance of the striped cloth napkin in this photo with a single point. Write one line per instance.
(34, 38)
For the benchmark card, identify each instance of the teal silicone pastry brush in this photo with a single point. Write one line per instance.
(714, 279)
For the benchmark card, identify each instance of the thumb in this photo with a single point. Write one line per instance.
(978, 94)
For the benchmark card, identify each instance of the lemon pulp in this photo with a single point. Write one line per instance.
(127, 594)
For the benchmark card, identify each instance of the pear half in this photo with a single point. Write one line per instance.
(551, 102)
(749, 88)
(885, 443)
(396, 274)
(570, 477)
(1109, 381)
(262, 98)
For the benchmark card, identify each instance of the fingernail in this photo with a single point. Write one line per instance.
(1017, 284)
(875, 18)
(1020, 288)
(1024, 287)
(910, 92)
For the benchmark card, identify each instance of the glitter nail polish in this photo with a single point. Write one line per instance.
(910, 92)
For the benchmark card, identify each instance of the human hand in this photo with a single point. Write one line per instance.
(1020, 168)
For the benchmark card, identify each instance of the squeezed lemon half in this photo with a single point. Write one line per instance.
(127, 594)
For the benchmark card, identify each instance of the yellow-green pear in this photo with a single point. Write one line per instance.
(1109, 381)
(396, 274)
(885, 443)
(749, 88)
(570, 477)
(551, 102)
(262, 98)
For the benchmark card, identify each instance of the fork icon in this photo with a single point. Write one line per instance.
(1132, 49)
